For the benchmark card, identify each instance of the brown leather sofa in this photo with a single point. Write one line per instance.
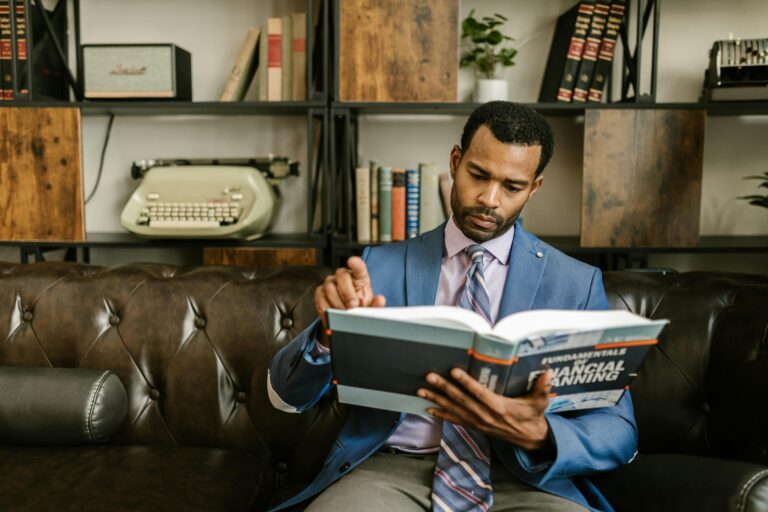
(192, 346)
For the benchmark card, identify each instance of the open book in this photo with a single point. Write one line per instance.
(380, 356)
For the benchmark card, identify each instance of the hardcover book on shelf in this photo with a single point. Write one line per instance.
(374, 172)
(385, 204)
(363, 203)
(607, 50)
(558, 51)
(262, 72)
(380, 356)
(299, 59)
(244, 68)
(287, 59)
(398, 204)
(412, 193)
(6, 51)
(275, 59)
(575, 49)
(591, 50)
(21, 71)
(446, 183)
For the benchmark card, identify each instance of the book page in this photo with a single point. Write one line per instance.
(552, 321)
(442, 316)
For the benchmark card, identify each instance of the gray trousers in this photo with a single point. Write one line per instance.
(401, 482)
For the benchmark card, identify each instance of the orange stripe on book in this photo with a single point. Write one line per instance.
(334, 381)
(299, 45)
(637, 343)
(489, 359)
(552, 395)
(328, 332)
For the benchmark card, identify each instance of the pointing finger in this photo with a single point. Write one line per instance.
(358, 269)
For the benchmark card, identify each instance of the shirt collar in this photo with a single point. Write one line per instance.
(456, 241)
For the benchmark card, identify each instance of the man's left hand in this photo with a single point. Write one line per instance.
(518, 420)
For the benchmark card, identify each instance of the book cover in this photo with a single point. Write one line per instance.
(575, 49)
(412, 193)
(374, 172)
(558, 51)
(363, 203)
(385, 204)
(591, 50)
(287, 59)
(380, 356)
(6, 51)
(607, 50)
(398, 204)
(431, 212)
(21, 71)
(242, 71)
(275, 59)
(299, 62)
(262, 72)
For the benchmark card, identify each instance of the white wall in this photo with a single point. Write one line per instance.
(213, 31)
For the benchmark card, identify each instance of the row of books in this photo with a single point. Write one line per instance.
(591, 50)
(14, 34)
(394, 204)
(276, 55)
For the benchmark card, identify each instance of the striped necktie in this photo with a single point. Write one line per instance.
(462, 480)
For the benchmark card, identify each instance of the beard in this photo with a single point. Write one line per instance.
(461, 216)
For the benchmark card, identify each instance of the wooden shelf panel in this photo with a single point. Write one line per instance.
(187, 108)
(127, 240)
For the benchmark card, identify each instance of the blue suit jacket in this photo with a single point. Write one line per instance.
(407, 274)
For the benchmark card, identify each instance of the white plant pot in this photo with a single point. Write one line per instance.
(489, 90)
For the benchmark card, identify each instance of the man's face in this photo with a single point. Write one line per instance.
(492, 182)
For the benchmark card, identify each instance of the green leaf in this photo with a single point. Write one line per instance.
(500, 16)
(494, 37)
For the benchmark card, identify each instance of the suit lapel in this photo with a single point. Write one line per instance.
(526, 266)
(423, 258)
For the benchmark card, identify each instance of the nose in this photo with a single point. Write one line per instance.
(490, 195)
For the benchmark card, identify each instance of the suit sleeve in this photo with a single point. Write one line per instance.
(300, 375)
(585, 441)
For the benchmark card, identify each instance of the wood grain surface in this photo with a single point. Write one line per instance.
(398, 50)
(642, 178)
(259, 256)
(41, 187)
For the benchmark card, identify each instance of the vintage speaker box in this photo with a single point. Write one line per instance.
(137, 71)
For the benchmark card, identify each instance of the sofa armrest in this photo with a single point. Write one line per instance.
(685, 482)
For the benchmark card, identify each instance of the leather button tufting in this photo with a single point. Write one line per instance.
(114, 320)
(240, 396)
(705, 408)
(27, 316)
(199, 322)
(154, 394)
(286, 322)
(344, 467)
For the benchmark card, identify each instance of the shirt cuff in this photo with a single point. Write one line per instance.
(315, 352)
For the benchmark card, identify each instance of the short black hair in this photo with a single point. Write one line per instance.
(512, 123)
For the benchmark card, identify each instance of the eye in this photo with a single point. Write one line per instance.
(478, 177)
(512, 188)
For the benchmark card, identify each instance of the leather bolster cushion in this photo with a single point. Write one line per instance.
(60, 406)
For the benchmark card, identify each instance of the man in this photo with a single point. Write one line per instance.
(476, 449)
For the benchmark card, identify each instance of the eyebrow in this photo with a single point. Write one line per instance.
(484, 172)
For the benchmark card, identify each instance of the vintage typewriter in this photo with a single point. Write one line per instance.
(206, 198)
(738, 71)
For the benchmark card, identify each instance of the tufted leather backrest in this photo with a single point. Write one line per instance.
(192, 347)
(702, 389)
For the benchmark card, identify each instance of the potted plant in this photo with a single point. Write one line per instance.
(481, 50)
(756, 199)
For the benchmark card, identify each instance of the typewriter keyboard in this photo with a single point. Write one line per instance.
(189, 215)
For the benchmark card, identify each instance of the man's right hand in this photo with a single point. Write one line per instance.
(346, 288)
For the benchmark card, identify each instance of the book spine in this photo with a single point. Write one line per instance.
(275, 59)
(22, 44)
(430, 208)
(287, 59)
(412, 193)
(398, 204)
(299, 92)
(374, 172)
(6, 49)
(363, 203)
(607, 50)
(575, 49)
(263, 68)
(446, 183)
(241, 73)
(385, 204)
(591, 50)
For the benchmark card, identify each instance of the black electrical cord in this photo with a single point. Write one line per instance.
(101, 162)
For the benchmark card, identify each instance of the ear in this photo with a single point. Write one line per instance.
(454, 160)
(536, 186)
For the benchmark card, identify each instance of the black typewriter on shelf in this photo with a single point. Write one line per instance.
(738, 71)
